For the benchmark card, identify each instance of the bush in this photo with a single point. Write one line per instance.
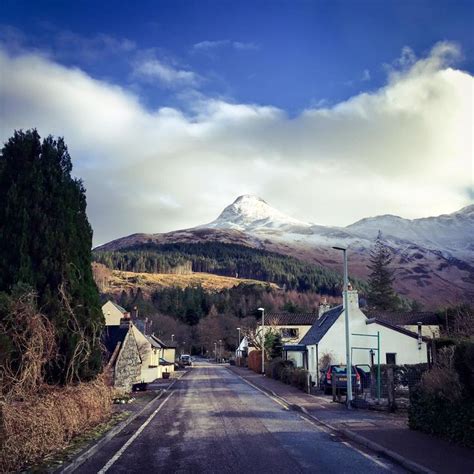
(443, 403)
(300, 378)
(275, 367)
(286, 375)
(442, 417)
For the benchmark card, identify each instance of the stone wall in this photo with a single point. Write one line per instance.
(128, 365)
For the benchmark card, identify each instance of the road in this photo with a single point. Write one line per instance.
(212, 421)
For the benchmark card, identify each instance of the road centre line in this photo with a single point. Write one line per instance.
(119, 453)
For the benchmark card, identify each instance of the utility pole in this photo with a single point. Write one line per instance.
(263, 339)
(346, 320)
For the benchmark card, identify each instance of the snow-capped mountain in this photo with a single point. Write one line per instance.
(450, 233)
(251, 213)
(433, 257)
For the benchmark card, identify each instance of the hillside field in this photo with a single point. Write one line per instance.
(150, 282)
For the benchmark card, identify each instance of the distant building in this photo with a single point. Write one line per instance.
(114, 313)
(292, 327)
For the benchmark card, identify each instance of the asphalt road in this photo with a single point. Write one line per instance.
(212, 421)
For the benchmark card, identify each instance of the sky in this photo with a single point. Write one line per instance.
(331, 111)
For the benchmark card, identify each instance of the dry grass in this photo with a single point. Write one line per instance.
(40, 425)
(149, 282)
(37, 419)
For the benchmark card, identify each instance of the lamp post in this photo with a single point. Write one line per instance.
(263, 339)
(215, 350)
(346, 320)
(220, 350)
(172, 337)
(238, 345)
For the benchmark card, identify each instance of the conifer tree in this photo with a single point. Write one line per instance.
(380, 293)
(45, 245)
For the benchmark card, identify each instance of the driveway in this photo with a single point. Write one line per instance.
(212, 421)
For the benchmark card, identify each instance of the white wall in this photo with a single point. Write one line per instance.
(405, 347)
(112, 314)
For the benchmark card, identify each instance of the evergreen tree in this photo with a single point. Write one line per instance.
(380, 293)
(45, 244)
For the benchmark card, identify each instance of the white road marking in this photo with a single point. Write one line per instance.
(368, 456)
(119, 453)
(265, 393)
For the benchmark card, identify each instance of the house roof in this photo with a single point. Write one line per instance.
(321, 327)
(153, 342)
(394, 327)
(404, 318)
(164, 344)
(112, 335)
(290, 319)
(294, 348)
(122, 310)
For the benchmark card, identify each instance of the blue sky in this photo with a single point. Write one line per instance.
(292, 54)
(297, 93)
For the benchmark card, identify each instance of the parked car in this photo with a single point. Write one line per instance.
(185, 359)
(365, 378)
(325, 381)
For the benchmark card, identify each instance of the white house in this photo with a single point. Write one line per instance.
(327, 337)
(113, 313)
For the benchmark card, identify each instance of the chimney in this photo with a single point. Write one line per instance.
(420, 336)
(323, 307)
(352, 298)
(125, 321)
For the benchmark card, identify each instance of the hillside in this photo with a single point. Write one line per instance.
(151, 282)
(433, 258)
(226, 260)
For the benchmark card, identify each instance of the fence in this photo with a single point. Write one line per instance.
(396, 383)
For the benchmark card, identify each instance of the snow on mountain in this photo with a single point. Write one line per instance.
(433, 257)
(449, 233)
(250, 213)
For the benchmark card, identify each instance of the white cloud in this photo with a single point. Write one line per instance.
(405, 148)
(210, 47)
(152, 69)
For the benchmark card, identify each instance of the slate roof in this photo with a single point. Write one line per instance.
(322, 326)
(165, 344)
(290, 319)
(112, 335)
(294, 348)
(394, 327)
(122, 310)
(404, 318)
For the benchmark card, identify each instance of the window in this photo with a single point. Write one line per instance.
(289, 333)
(391, 358)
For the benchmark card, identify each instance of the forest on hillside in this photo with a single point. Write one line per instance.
(226, 260)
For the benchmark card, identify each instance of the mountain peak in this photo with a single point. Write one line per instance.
(249, 212)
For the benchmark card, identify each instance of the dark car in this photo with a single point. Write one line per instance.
(325, 381)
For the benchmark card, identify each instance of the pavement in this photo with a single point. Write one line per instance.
(214, 421)
(382, 432)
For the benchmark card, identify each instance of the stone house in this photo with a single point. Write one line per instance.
(124, 362)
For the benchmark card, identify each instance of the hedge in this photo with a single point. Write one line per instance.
(443, 412)
(284, 371)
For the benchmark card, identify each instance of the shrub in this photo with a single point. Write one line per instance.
(286, 375)
(443, 404)
(275, 367)
(300, 378)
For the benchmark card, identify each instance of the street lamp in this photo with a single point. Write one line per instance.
(215, 350)
(263, 339)
(172, 337)
(238, 345)
(346, 320)
(220, 350)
